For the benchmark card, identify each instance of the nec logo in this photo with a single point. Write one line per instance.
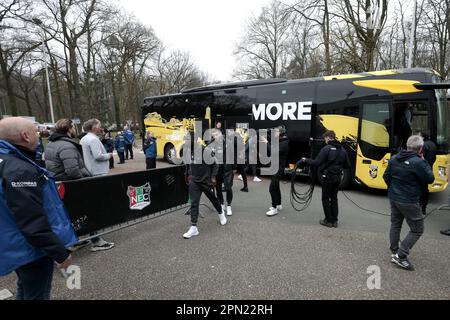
(285, 111)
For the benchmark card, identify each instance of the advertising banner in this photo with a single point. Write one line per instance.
(102, 202)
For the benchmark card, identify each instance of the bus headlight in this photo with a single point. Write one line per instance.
(442, 172)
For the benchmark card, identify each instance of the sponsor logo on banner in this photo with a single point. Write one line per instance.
(139, 196)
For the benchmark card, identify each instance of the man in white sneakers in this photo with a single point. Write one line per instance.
(96, 160)
(201, 179)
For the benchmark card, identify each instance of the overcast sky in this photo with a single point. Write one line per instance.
(208, 29)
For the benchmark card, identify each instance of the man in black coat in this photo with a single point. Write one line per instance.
(201, 177)
(405, 177)
(330, 162)
(429, 151)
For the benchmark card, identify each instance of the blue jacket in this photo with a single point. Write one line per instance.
(150, 148)
(39, 150)
(406, 176)
(33, 220)
(120, 143)
(129, 136)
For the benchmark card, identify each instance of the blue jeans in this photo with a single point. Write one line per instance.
(35, 280)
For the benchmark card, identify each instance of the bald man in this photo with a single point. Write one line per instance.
(34, 227)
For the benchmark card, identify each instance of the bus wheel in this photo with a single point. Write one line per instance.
(346, 179)
(170, 153)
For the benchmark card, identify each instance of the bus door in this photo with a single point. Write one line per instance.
(410, 117)
(374, 140)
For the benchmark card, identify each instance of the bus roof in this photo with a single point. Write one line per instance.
(264, 82)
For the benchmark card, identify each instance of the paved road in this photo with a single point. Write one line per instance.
(288, 256)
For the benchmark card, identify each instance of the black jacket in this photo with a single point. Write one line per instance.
(283, 151)
(202, 172)
(26, 203)
(429, 152)
(331, 160)
(63, 157)
(406, 175)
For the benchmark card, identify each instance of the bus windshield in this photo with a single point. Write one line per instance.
(441, 120)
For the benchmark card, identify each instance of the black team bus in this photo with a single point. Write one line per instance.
(372, 113)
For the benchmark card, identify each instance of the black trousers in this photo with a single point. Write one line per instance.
(195, 192)
(34, 280)
(121, 157)
(111, 163)
(424, 200)
(225, 176)
(129, 148)
(274, 188)
(151, 163)
(241, 168)
(252, 168)
(330, 188)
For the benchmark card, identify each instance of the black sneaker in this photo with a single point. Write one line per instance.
(446, 232)
(244, 189)
(393, 253)
(335, 224)
(325, 223)
(79, 245)
(402, 262)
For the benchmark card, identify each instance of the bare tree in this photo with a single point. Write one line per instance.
(16, 41)
(129, 48)
(437, 21)
(177, 72)
(362, 23)
(264, 48)
(317, 13)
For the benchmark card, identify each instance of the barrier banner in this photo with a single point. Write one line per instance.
(102, 202)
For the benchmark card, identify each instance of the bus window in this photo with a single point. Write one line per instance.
(410, 118)
(441, 120)
(375, 128)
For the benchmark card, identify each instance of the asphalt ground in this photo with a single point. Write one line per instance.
(289, 256)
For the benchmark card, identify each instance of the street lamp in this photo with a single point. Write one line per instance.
(50, 101)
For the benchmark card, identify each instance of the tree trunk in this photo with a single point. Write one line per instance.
(60, 105)
(116, 102)
(8, 85)
(75, 79)
(326, 38)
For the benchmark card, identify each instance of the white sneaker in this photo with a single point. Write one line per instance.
(223, 219)
(224, 208)
(280, 208)
(272, 211)
(240, 177)
(256, 179)
(102, 246)
(229, 211)
(192, 232)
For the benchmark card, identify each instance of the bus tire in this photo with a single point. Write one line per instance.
(169, 153)
(346, 179)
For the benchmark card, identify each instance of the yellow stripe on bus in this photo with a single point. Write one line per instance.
(393, 86)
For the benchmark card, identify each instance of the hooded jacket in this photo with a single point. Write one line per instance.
(33, 220)
(406, 175)
(63, 157)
